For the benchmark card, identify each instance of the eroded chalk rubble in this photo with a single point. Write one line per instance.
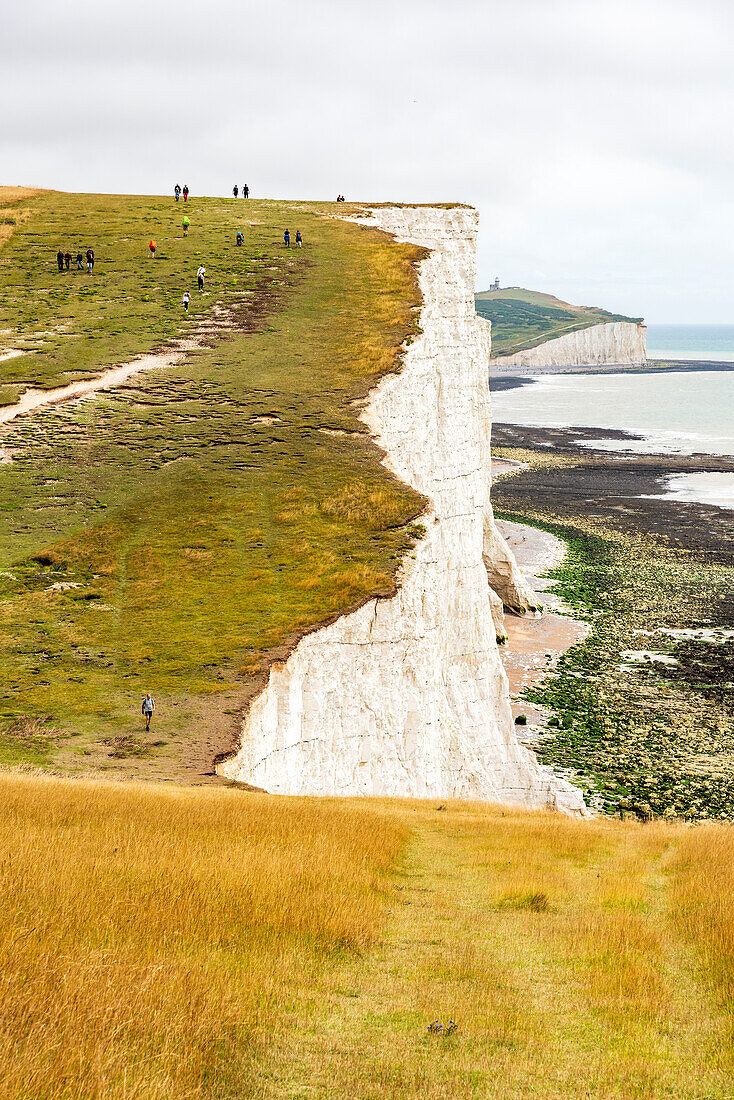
(407, 696)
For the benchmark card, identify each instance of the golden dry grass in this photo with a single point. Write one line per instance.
(150, 936)
(704, 907)
(548, 942)
(169, 942)
(13, 194)
(13, 210)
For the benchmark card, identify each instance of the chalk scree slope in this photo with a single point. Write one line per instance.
(407, 696)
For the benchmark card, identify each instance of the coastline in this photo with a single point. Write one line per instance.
(535, 642)
(643, 709)
(522, 375)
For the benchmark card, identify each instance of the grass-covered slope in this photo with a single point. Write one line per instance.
(175, 943)
(176, 534)
(523, 319)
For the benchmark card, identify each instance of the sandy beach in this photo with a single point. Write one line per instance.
(535, 642)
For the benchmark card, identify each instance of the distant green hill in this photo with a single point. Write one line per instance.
(523, 319)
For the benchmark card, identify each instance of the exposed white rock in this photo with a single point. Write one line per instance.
(618, 343)
(408, 696)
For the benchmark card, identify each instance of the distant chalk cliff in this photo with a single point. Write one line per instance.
(618, 343)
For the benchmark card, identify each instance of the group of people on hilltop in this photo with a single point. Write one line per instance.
(340, 198)
(63, 259)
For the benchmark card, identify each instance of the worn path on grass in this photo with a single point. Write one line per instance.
(550, 947)
(34, 400)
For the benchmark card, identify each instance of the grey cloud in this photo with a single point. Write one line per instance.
(592, 134)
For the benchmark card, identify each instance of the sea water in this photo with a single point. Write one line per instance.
(672, 412)
(707, 343)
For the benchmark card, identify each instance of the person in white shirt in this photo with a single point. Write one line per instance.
(148, 708)
(200, 277)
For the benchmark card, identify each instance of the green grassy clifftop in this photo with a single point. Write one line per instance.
(523, 319)
(176, 534)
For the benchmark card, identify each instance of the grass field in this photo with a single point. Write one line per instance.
(177, 533)
(188, 943)
(523, 319)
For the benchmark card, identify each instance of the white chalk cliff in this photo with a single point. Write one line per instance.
(618, 343)
(407, 696)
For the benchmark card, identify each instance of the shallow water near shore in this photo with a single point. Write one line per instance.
(706, 488)
(672, 412)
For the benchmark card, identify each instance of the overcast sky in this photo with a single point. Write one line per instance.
(594, 136)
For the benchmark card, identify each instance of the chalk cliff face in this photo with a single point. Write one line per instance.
(408, 696)
(619, 343)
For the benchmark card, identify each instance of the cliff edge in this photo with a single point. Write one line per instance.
(407, 696)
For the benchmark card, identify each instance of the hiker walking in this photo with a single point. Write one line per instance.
(186, 192)
(177, 191)
(60, 259)
(67, 260)
(79, 261)
(235, 190)
(186, 223)
(186, 300)
(90, 261)
(299, 239)
(200, 277)
(152, 246)
(147, 709)
(245, 192)
(240, 238)
(287, 239)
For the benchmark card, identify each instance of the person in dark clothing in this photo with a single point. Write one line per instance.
(235, 190)
(245, 192)
(79, 261)
(287, 239)
(186, 192)
(60, 259)
(177, 191)
(90, 261)
(67, 260)
(240, 238)
(299, 239)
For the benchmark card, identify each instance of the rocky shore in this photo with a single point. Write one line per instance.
(644, 708)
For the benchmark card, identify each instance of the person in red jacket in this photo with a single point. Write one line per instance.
(152, 246)
(186, 192)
